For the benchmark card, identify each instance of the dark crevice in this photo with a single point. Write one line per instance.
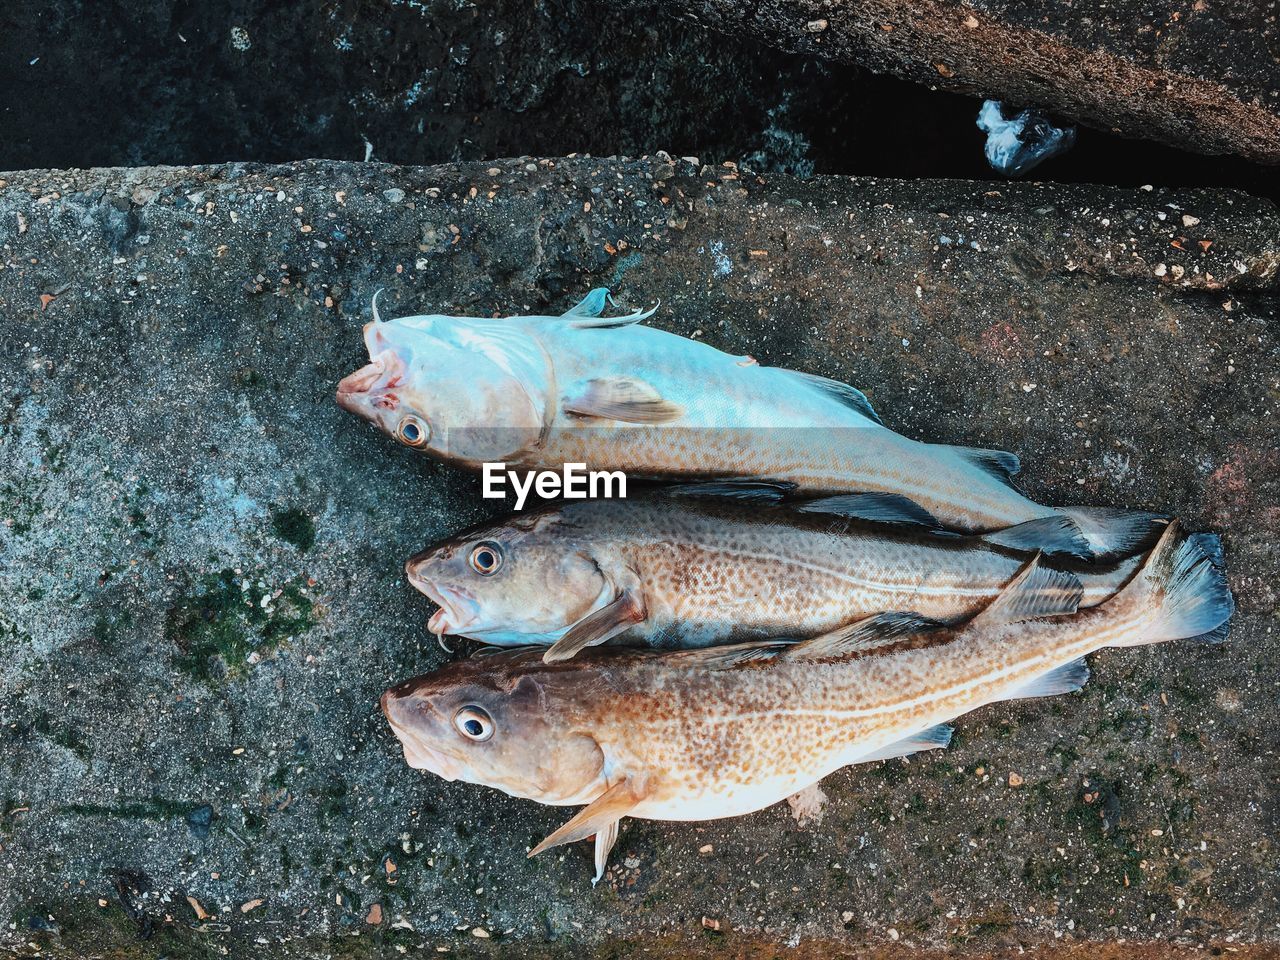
(157, 82)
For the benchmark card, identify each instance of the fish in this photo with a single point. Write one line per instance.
(537, 392)
(704, 564)
(725, 731)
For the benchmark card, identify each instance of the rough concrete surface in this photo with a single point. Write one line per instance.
(202, 598)
(1200, 76)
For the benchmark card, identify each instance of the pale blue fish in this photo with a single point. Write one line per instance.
(536, 392)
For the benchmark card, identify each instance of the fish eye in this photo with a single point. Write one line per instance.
(413, 431)
(474, 723)
(486, 558)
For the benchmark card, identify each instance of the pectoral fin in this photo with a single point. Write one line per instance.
(623, 612)
(600, 817)
(623, 398)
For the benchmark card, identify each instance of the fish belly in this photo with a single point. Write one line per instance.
(723, 800)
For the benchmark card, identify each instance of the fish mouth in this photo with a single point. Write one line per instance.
(369, 387)
(458, 607)
(417, 753)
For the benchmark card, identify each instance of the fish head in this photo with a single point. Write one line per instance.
(491, 720)
(460, 388)
(525, 579)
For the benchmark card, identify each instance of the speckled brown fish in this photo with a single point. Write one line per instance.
(725, 731)
(609, 392)
(710, 564)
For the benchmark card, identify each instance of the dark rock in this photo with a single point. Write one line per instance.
(200, 820)
(41, 924)
(1202, 76)
(1123, 342)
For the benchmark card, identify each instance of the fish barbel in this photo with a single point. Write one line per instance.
(706, 564)
(720, 732)
(538, 392)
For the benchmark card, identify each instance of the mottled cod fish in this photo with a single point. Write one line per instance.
(708, 564)
(704, 734)
(538, 392)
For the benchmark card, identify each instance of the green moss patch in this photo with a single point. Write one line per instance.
(294, 526)
(19, 505)
(215, 631)
(154, 808)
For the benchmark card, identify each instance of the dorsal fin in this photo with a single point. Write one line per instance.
(865, 635)
(592, 305)
(756, 491)
(1055, 535)
(512, 653)
(850, 396)
(1037, 591)
(586, 312)
(876, 507)
(1002, 465)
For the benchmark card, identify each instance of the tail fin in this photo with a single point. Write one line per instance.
(1115, 534)
(1184, 583)
(1211, 543)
